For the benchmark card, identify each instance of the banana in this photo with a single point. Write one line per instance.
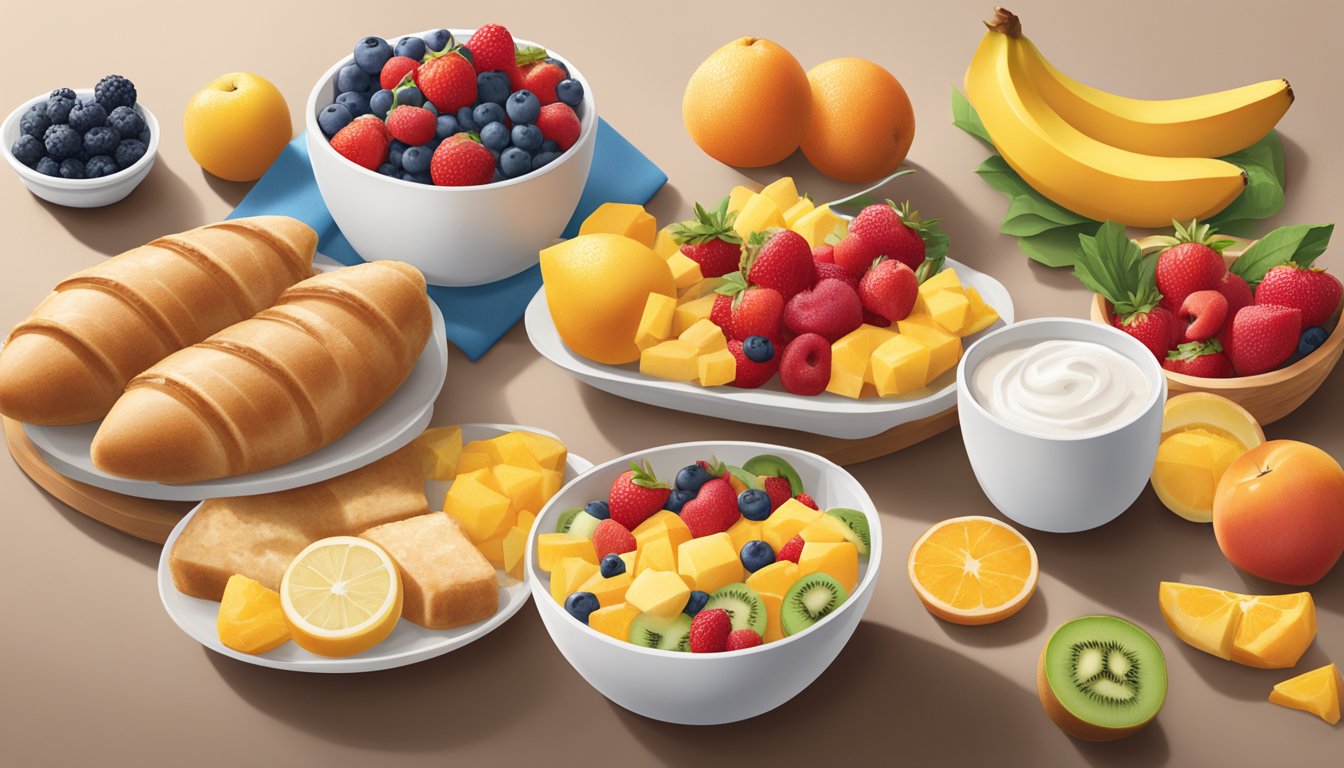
(1077, 171)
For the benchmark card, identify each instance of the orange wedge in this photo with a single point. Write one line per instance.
(1316, 692)
(1265, 631)
(973, 570)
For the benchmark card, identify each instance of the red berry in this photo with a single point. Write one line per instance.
(805, 368)
(461, 164)
(491, 48)
(559, 124)
(751, 374)
(758, 312)
(713, 510)
(362, 142)
(896, 234)
(448, 82)
(791, 551)
(1238, 294)
(1313, 291)
(411, 125)
(1156, 329)
(721, 314)
(395, 70)
(778, 489)
(1204, 359)
(740, 639)
(824, 254)
(807, 501)
(779, 259)
(830, 309)
(1206, 311)
(541, 79)
(636, 495)
(828, 270)
(855, 254)
(889, 290)
(1261, 337)
(709, 240)
(610, 537)
(710, 630)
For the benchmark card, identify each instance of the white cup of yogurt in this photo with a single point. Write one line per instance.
(1061, 419)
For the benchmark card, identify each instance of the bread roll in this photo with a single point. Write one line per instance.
(275, 387)
(71, 359)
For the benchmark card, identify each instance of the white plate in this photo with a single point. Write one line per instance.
(396, 422)
(771, 405)
(409, 643)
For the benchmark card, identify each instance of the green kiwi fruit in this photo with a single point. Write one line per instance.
(1101, 678)
(583, 525)
(743, 604)
(809, 600)
(566, 519)
(744, 477)
(857, 522)
(664, 634)
(773, 466)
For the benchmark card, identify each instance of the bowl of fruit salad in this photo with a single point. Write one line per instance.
(705, 583)
(461, 152)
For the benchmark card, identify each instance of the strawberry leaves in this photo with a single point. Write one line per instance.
(1192, 349)
(1299, 245)
(715, 224)
(528, 54)
(644, 477)
(1111, 264)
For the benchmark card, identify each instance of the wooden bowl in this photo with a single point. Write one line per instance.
(1268, 396)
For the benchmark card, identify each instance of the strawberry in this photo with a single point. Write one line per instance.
(541, 79)
(824, 254)
(1206, 311)
(395, 71)
(741, 639)
(830, 309)
(1199, 358)
(751, 374)
(778, 489)
(889, 290)
(710, 630)
(1313, 291)
(721, 314)
(610, 537)
(791, 551)
(713, 510)
(870, 319)
(461, 163)
(897, 233)
(827, 270)
(779, 259)
(448, 81)
(635, 495)
(362, 142)
(1114, 266)
(1237, 292)
(1193, 261)
(491, 48)
(805, 368)
(411, 125)
(807, 501)
(1262, 336)
(559, 124)
(1155, 328)
(855, 254)
(758, 312)
(709, 240)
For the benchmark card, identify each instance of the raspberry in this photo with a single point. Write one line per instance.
(559, 123)
(791, 551)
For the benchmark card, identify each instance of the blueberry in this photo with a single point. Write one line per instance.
(677, 499)
(464, 121)
(416, 159)
(28, 150)
(754, 504)
(100, 165)
(388, 169)
(599, 509)
(549, 145)
(129, 151)
(127, 122)
(352, 78)
(611, 565)
(445, 126)
(756, 555)
(355, 103)
(48, 167)
(411, 48)
(1311, 340)
(514, 162)
(410, 96)
(569, 92)
(492, 87)
(527, 137)
(523, 107)
(558, 63)
(495, 154)
(695, 603)
(63, 93)
(394, 151)
(116, 91)
(581, 604)
(418, 178)
(438, 40)
(72, 168)
(486, 113)
(58, 107)
(333, 118)
(495, 136)
(34, 122)
(429, 107)
(543, 158)
(144, 136)
(691, 477)
(62, 141)
(758, 349)
(371, 54)
(380, 102)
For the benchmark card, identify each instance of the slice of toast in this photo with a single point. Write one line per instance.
(446, 582)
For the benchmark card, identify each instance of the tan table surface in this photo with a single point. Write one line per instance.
(94, 671)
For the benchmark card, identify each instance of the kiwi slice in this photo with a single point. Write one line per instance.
(773, 466)
(664, 634)
(583, 525)
(857, 522)
(566, 519)
(1101, 678)
(743, 604)
(744, 477)
(810, 599)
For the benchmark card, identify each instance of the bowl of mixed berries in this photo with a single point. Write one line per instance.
(461, 152)
(82, 148)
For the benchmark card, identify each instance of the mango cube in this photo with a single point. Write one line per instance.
(525, 520)
(520, 484)
(709, 562)
(655, 324)
(699, 289)
(674, 360)
(818, 224)
(663, 243)
(775, 578)
(797, 211)
(626, 219)
(685, 271)
(980, 316)
(250, 618)
(844, 382)
(900, 365)
(475, 501)
(554, 547)
(949, 308)
(440, 446)
(716, 368)
(839, 560)
(608, 591)
(944, 347)
(472, 461)
(551, 481)
(825, 529)
(853, 352)
(786, 522)
(943, 281)
(614, 620)
(629, 558)
(569, 574)
(759, 214)
(515, 548)
(744, 530)
(657, 555)
(549, 452)
(782, 191)
(705, 336)
(662, 524)
(773, 604)
(692, 312)
(738, 197)
(658, 593)
(493, 547)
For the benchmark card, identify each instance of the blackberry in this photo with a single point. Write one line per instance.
(114, 91)
(127, 122)
(144, 136)
(48, 167)
(100, 165)
(99, 141)
(62, 141)
(72, 169)
(63, 93)
(86, 115)
(28, 150)
(129, 151)
(34, 122)
(58, 108)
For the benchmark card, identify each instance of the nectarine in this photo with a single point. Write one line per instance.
(1278, 512)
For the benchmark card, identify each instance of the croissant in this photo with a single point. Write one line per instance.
(275, 387)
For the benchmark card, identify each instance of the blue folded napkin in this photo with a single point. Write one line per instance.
(476, 317)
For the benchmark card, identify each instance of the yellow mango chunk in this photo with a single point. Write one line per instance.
(514, 450)
(657, 555)
(525, 520)
(614, 620)
(980, 316)
(473, 461)
(655, 324)
(685, 271)
(441, 447)
(797, 211)
(945, 280)
(852, 353)
(551, 482)
(759, 214)
(520, 484)
(626, 219)
(786, 522)
(825, 529)
(658, 593)
(900, 365)
(630, 558)
(250, 617)
(844, 382)
(493, 547)
(839, 560)
(744, 530)
(554, 547)
(775, 578)
(773, 605)
(818, 224)
(515, 548)
(475, 501)
(738, 197)
(709, 562)
(949, 308)
(662, 524)
(570, 573)
(716, 368)
(663, 244)
(549, 452)
(608, 591)
(700, 289)
(944, 347)
(705, 336)
(782, 191)
(674, 360)
(692, 312)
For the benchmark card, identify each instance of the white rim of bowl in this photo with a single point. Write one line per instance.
(60, 182)
(587, 122)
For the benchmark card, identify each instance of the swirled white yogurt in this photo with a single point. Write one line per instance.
(1061, 388)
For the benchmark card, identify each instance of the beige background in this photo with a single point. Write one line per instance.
(94, 671)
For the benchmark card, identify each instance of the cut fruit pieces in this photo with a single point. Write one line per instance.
(250, 619)
(341, 596)
(1101, 678)
(1264, 631)
(973, 570)
(1316, 692)
(1202, 434)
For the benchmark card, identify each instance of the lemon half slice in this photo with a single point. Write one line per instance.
(341, 596)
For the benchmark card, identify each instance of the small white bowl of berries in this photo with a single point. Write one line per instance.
(461, 152)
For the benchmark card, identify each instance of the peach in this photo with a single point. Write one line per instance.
(1278, 512)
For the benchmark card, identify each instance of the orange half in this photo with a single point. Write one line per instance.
(973, 570)
(1265, 631)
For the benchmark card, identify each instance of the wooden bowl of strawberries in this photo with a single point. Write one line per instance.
(1252, 321)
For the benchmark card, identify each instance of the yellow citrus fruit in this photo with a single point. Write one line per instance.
(973, 570)
(747, 104)
(1316, 692)
(861, 124)
(1202, 434)
(1265, 631)
(250, 617)
(596, 287)
(237, 125)
(341, 596)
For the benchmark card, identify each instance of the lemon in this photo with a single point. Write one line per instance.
(341, 596)
(1202, 434)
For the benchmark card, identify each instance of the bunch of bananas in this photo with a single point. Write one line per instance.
(1141, 163)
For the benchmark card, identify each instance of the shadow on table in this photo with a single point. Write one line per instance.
(144, 552)
(231, 192)
(162, 204)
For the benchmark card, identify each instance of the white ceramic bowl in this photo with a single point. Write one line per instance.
(1060, 484)
(80, 193)
(706, 689)
(454, 235)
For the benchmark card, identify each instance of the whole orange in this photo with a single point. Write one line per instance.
(237, 125)
(862, 122)
(747, 104)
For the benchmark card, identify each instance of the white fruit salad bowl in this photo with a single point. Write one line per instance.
(456, 236)
(706, 688)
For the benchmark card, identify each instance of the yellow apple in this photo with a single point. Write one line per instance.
(237, 125)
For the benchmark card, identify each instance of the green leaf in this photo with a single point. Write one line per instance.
(965, 118)
(1029, 212)
(1057, 247)
(1300, 244)
(935, 253)
(1263, 195)
(1111, 264)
